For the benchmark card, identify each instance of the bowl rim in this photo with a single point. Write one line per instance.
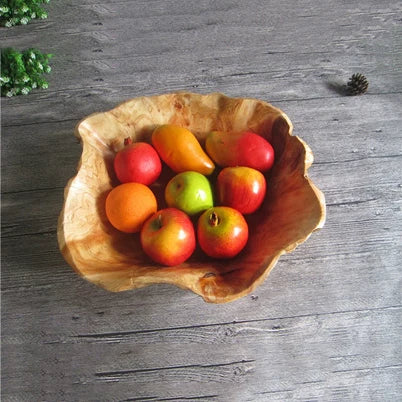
(308, 160)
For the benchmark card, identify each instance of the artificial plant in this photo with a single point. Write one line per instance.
(22, 71)
(16, 12)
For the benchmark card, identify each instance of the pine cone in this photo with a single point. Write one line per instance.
(357, 84)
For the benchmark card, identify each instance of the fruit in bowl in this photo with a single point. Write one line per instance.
(129, 205)
(168, 237)
(137, 162)
(180, 149)
(241, 148)
(241, 188)
(190, 191)
(222, 232)
(291, 211)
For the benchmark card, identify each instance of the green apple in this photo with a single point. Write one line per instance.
(190, 192)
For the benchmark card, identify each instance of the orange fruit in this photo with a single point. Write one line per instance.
(129, 205)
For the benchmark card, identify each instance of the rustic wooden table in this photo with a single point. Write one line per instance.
(326, 324)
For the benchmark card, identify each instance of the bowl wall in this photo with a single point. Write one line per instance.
(292, 210)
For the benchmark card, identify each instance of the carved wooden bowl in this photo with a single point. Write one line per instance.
(292, 210)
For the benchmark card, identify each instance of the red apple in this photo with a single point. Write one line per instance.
(243, 148)
(137, 162)
(222, 232)
(168, 237)
(241, 188)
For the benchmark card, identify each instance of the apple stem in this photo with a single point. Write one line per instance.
(159, 221)
(127, 141)
(213, 219)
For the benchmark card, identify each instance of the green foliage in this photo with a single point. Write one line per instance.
(22, 71)
(16, 12)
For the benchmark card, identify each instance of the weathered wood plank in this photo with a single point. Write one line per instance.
(344, 129)
(332, 355)
(27, 212)
(35, 276)
(265, 59)
(75, 104)
(326, 324)
(361, 217)
(40, 156)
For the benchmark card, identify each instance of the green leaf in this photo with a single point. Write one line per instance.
(23, 71)
(20, 12)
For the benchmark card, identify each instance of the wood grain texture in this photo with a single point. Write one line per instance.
(292, 211)
(326, 326)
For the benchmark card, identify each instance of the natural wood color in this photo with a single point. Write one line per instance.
(293, 208)
(326, 326)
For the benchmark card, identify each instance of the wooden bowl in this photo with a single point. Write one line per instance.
(293, 208)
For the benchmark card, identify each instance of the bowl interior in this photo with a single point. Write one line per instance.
(292, 210)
